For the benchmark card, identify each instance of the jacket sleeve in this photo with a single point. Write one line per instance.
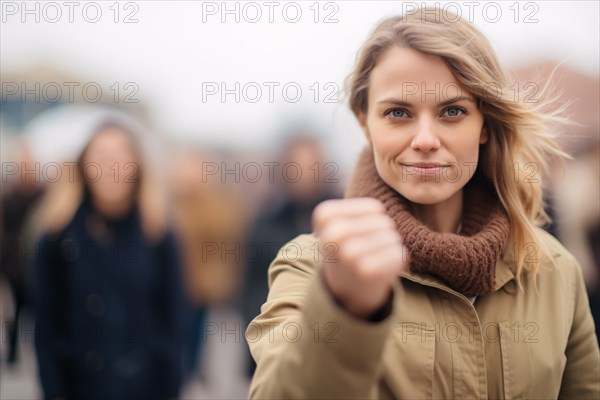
(304, 344)
(581, 378)
(51, 330)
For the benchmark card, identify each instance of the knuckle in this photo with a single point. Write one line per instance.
(385, 220)
(352, 248)
(346, 249)
(335, 229)
(365, 267)
(375, 202)
(320, 211)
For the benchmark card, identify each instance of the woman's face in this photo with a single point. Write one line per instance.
(111, 167)
(425, 129)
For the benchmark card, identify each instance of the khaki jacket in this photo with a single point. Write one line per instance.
(435, 344)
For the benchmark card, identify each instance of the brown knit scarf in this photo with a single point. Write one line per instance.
(466, 262)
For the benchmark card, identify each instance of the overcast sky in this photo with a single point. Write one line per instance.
(175, 52)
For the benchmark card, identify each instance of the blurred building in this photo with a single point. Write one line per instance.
(28, 93)
(573, 195)
(583, 89)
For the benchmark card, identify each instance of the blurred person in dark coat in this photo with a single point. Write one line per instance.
(577, 205)
(24, 191)
(107, 278)
(307, 180)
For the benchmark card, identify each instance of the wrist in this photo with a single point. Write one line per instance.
(373, 313)
(376, 313)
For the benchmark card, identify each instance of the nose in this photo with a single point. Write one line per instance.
(425, 139)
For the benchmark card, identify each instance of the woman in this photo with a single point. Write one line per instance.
(107, 279)
(488, 305)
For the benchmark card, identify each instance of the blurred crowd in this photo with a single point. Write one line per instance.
(121, 266)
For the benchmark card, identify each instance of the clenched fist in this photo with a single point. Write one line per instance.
(362, 252)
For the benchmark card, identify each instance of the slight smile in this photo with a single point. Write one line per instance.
(425, 168)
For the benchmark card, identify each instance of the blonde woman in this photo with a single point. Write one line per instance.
(432, 278)
(107, 278)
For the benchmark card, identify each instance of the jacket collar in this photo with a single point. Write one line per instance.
(504, 274)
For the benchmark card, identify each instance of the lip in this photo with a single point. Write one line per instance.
(426, 165)
(426, 168)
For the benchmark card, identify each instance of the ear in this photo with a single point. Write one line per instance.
(362, 121)
(483, 137)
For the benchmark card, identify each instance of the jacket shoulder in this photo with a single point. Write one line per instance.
(562, 263)
(300, 255)
(555, 249)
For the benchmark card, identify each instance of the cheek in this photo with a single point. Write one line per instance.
(467, 160)
(468, 151)
(465, 142)
(386, 153)
(385, 157)
(388, 141)
(464, 150)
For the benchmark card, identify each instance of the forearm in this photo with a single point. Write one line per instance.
(337, 356)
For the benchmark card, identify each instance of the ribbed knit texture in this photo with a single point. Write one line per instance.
(466, 262)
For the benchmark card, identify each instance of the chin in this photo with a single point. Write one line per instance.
(426, 196)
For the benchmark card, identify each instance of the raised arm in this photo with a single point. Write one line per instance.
(321, 334)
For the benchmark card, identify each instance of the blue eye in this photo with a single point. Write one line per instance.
(454, 112)
(397, 113)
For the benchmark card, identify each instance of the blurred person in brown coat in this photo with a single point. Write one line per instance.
(209, 219)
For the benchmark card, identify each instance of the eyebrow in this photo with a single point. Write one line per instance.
(441, 104)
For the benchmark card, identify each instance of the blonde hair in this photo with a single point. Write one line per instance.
(62, 200)
(520, 132)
